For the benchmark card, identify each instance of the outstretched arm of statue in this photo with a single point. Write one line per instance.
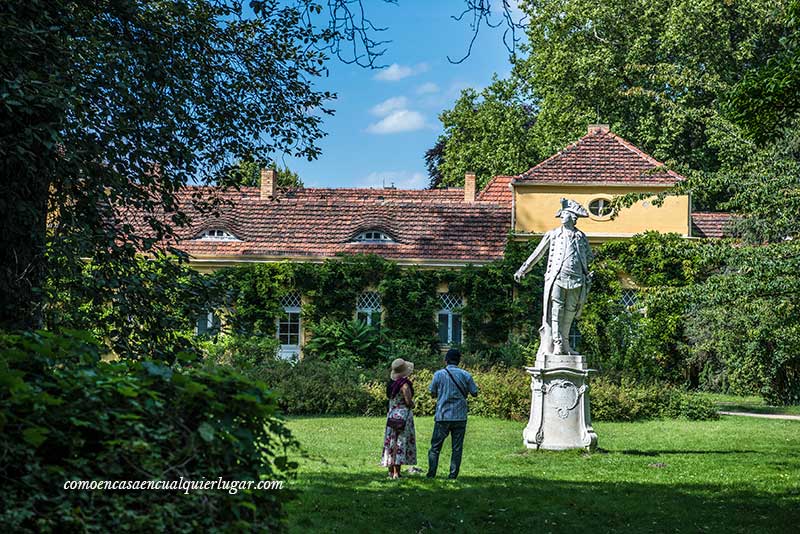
(534, 258)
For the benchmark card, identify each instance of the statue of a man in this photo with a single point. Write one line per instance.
(567, 280)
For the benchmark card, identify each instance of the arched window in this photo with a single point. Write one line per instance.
(216, 234)
(373, 236)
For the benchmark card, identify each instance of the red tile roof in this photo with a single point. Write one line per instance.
(600, 157)
(426, 225)
(497, 190)
(708, 224)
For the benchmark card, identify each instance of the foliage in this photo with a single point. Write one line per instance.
(710, 315)
(487, 133)
(111, 108)
(654, 70)
(765, 100)
(142, 309)
(249, 355)
(332, 339)
(342, 386)
(65, 415)
(410, 301)
(745, 323)
(629, 402)
(248, 173)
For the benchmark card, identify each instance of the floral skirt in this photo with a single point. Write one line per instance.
(400, 446)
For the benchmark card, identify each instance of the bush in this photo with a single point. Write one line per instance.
(247, 354)
(65, 415)
(342, 387)
(628, 402)
(331, 339)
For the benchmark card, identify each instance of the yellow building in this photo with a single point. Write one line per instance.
(592, 171)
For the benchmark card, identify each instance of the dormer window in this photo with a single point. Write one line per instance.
(373, 236)
(217, 234)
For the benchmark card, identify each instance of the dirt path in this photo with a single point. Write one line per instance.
(764, 415)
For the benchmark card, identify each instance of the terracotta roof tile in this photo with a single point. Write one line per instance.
(708, 224)
(600, 157)
(497, 190)
(426, 224)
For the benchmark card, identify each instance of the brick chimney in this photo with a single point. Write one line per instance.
(598, 129)
(469, 187)
(269, 182)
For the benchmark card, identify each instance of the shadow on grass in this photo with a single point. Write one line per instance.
(341, 502)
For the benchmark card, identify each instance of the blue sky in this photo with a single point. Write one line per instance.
(386, 119)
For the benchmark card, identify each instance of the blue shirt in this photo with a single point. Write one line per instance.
(451, 405)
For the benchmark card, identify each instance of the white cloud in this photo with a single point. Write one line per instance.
(389, 105)
(400, 179)
(395, 72)
(427, 88)
(402, 120)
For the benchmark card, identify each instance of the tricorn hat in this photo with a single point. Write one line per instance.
(572, 207)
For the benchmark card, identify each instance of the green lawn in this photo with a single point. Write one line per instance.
(731, 475)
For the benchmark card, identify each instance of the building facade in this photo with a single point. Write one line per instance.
(441, 228)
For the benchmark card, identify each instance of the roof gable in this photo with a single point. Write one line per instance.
(600, 157)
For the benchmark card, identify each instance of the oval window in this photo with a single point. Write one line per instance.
(600, 208)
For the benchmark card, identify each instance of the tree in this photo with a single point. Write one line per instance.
(109, 107)
(248, 173)
(488, 133)
(654, 70)
(766, 99)
(113, 106)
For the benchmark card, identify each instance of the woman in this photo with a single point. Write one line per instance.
(400, 440)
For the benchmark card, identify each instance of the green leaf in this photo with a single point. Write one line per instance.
(35, 435)
(206, 432)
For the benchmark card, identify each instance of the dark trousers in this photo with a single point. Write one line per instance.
(441, 429)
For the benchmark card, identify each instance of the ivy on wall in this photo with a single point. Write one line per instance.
(409, 297)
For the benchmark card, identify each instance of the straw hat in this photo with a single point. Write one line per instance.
(400, 367)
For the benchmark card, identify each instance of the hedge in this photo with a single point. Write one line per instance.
(65, 415)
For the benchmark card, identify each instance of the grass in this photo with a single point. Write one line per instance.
(730, 475)
(752, 404)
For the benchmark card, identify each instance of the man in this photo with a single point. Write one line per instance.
(450, 386)
(567, 280)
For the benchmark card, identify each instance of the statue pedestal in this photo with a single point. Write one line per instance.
(560, 416)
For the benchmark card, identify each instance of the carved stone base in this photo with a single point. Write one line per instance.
(560, 417)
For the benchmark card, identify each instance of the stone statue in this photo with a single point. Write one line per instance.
(567, 280)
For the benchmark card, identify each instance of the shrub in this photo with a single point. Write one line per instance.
(628, 402)
(420, 355)
(331, 339)
(65, 415)
(503, 393)
(247, 354)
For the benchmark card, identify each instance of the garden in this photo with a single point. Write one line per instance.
(119, 361)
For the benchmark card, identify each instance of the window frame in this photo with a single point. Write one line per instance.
(290, 351)
(451, 313)
(605, 199)
(225, 235)
(368, 236)
(369, 312)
